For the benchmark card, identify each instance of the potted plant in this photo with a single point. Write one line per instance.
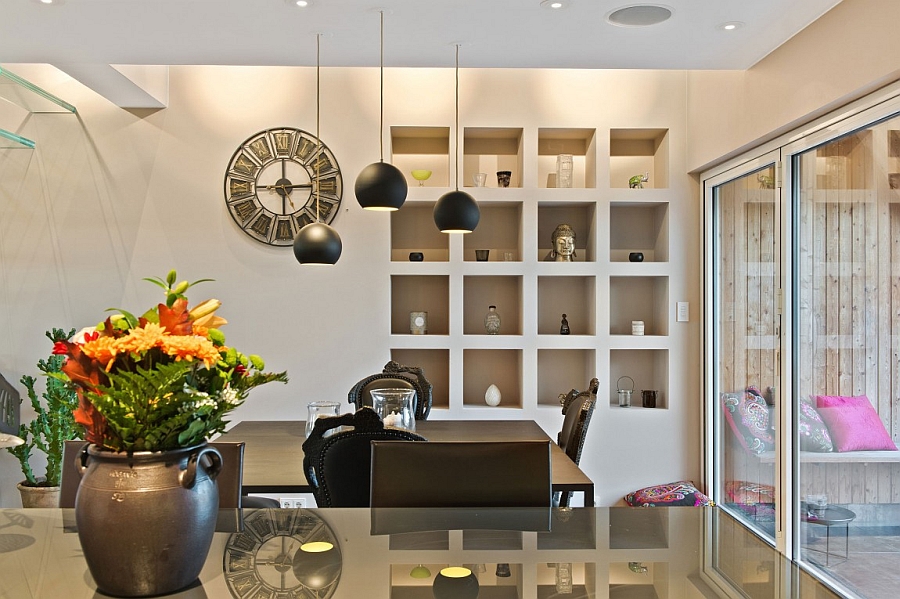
(53, 424)
(152, 389)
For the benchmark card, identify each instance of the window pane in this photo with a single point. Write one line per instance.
(846, 384)
(747, 344)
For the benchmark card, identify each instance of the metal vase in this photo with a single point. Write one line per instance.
(146, 520)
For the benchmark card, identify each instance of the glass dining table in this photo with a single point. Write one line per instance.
(670, 553)
(273, 452)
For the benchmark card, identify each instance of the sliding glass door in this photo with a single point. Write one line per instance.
(745, 340)
(847, 371)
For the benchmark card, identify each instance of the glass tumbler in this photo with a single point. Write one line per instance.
(320, 409)
(394, 407)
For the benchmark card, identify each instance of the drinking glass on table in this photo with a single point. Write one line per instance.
(320, 409)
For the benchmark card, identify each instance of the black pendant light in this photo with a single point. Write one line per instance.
(455, 583)
(317, 243)
(456, 211)
(381, 185)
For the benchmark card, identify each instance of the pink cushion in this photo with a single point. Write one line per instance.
(853, 423)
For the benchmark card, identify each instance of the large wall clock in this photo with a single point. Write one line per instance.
(265, 560)
(270, 184)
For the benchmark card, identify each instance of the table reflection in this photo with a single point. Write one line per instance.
(582, 552)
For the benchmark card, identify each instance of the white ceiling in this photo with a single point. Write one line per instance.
(418, 33)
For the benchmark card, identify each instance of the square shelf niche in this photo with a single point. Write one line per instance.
(561, 370)
(580, 143)
(639, 227)
(485, 367)
(581, 216)
(420, 293)
(649, 368)
(413, 230)
(491, 149)
(639, 298)
(582, 576)
(499, 230)
(638, 152)
(481, 292)
(639, 580)
(573, 296)
(435, 365)
(422, 148)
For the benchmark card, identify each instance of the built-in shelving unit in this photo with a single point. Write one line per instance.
(601, 292)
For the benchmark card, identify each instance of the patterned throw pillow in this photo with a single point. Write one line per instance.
(681, 493)
(854, 424)
(748, 416)
(754, 499)
(812, 431)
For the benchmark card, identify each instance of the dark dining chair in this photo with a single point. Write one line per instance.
(514, 474)
(338, 464)
(229, 481)
(395, 375)
(577, 409)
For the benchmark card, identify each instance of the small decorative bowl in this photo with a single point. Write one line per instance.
(416, 256)
(421, 174)
(636, 257)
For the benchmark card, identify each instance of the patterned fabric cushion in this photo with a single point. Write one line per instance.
(748, 416)
(812, 431)
(754, 499)
(854, 424)
(682, 492)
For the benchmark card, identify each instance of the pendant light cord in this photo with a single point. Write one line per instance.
(381, 95)
(318, 141)
(456, 173)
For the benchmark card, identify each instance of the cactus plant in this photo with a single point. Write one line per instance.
(54, 422)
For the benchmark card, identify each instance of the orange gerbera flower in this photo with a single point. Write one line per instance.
(140, 340)
(189, 347)
(103, 349)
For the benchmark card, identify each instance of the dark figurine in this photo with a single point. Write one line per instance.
(564, 327)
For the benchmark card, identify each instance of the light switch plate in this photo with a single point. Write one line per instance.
(682, 311)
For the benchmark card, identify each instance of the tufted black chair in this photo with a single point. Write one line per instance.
(395, 376)
(338, 466)
(577, 408)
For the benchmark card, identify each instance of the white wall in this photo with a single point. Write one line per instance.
(111, 196)
(848, 52)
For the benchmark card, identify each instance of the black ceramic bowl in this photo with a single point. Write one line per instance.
(636, 257)
(416, 256)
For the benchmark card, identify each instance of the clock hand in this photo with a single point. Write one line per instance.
(279, 187)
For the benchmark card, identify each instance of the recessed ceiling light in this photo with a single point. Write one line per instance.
(298, 3)
(639, 15)
(731, 25)
(554, 4)
(48, 2)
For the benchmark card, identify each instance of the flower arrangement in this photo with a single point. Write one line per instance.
(164, 380)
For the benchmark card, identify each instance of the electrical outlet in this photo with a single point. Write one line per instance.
(292, 502)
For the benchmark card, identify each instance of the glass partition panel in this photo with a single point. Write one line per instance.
(746, 260)
(847, 373)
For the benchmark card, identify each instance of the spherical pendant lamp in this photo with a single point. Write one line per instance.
(455, 583)
(456, 211)
(381, 186)
(317, 243)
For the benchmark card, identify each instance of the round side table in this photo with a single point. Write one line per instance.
(831, 516)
